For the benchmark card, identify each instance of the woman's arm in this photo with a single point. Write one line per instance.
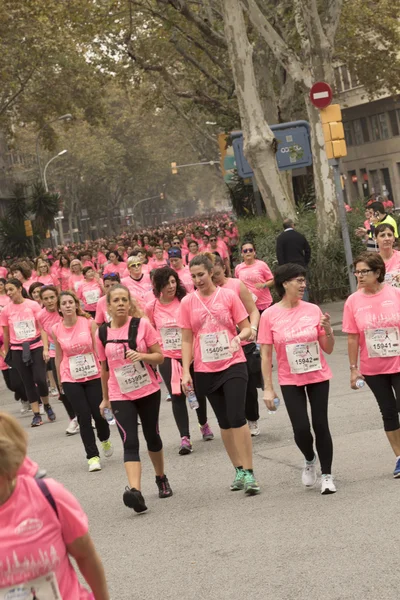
(353, 344)
(93, 329)
(266, 369)
(252, 310)
(187, 357)
(45, 340)
(59, 357)
(154, 357)
(6, 339)
(90, 565)
(105, 375)
(327, 341)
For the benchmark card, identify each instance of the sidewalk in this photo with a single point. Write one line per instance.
(335, 309)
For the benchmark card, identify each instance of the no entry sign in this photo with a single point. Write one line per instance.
(321, 94)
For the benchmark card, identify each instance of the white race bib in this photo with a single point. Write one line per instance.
(92, 296)
(83, 365)
(25, 330)
(303, 357)
(171, 338)
(215, 346)
(383, 343)
(132, 377)
(41, 588)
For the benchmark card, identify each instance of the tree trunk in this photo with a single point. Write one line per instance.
(259, 141)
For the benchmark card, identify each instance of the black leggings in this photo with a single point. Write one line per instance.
(228, 403)
(252, 410)
(179, 404)
(126, 415)
(295, 398)
(34, 377)
(86, 398)
(386, 389)
(63, 397)
(14, 383)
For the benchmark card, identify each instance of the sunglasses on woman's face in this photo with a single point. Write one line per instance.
(135, 264)
(213, 239)
(247, 250)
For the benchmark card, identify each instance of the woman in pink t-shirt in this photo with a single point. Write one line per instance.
(78, 371)
(44, 276)
(193, 248)
(76, 277)
(115, 264)
(34, 292)
(64, 271)
(90, 291)
(371, 319)
(163, 313)
(256, 275)
(209, 318)
(23, 273)
(102, 315)
(299, 332)
(138, 283)
(130, 387)
(41, 525)
(384, 235)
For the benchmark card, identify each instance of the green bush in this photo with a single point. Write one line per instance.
(327, 272)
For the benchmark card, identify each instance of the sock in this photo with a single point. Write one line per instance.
(312, 462)
(37, 414)
(249, 471)
(239, 468)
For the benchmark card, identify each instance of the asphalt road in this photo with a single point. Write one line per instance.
(288, 543)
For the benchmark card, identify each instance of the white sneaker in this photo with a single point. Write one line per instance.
(108, 448)
(309, 474)
(25, 407)
(41, 409)
(254, 428)
(53, 392)
(73, 427)
(94, 464)
(327, 485)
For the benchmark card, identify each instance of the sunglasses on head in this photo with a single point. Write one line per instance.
(247, 250)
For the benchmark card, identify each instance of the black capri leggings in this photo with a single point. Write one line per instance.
(67, 404)
(295, 398)
(386, 389)
(14, 383)
(179, 403)
(126, 413)
(33, 377)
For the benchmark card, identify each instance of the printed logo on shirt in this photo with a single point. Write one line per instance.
(363, 308)
(305, 319)
(29, 526)
(387, 303)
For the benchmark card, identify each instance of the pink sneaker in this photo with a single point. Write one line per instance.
(206, 432)
(186, 446)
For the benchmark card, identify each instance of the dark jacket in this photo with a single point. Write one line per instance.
(292, 247)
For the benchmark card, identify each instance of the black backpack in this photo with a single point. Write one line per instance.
(132, 334)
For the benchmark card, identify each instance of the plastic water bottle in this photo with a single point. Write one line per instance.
(191, 396)
(360, 383)
(109, 417)
(277, 403)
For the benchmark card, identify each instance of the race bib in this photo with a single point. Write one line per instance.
(92, 296)
(255, 298)
(132, 377)
(82, 366)
(41, 588)
(215, 346)
(25, 330)
(383, 343)
(171, 338)
(303, 357)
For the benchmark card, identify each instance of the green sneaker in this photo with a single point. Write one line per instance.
(251, 486)
(107, 448)
(238, 482)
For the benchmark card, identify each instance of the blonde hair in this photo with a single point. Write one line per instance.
(134, 311)
(13, 445)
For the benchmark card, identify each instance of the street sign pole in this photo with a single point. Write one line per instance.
(334, 163)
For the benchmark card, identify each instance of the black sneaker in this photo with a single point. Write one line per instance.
(49, 412)
(164, 489)
(37, 420)
(134, 499)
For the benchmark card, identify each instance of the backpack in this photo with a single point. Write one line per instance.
(132, 335)
(42, 485)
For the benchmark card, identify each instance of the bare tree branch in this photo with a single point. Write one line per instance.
(21, 89)
(200, 67)
(187, 118)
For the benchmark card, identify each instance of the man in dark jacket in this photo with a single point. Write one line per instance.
(292, 246)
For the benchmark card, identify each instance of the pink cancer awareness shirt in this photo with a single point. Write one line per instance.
(392, 267)
(47, 320)
(64, 274)
(258, 272)
(27, 284)
(102, 315)
(4, 300)
(378, 317)
(164, 317)
(138, 378)
(28, 467)
(186, 278)
(75, 282)
(21, 319)
(118, 268)
(79, 355)
(138, 287)
(213, 321)
(33, 539)
(48, 280)
(294, 333)
(90, 293)
(3, 272)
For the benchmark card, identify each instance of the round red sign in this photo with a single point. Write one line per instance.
(321, 94)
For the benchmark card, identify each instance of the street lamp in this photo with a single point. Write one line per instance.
(66, 117)
(45, 169)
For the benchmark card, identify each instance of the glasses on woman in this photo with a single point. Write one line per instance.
(363, 272)
(299, 280)
(247, 250)
(175, 243)
(213, 239)
(135, 264)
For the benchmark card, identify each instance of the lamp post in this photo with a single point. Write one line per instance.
(66, 117)
(60, 214)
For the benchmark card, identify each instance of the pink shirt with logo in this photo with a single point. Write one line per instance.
(119, 268)
(258, 272)
(102, 315)
(186, 278)
(33, 539)
(22, 320)
(115, 355)
(138, 287)
(4, 300)
(75, 282)
(376, 312)
(46, 321)
(300, 326)
(165, 317)
(75, 341)
(88, 291)
(219, 312)
(64, 274)
(392, 266)
(49, 280)
(27, 284)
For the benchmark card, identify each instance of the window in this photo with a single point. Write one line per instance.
(358, 133)
(348, 133)
(376, 134)
(394, 124)
(379, 126)
(364, 127)
(345, 78)
(383, 124)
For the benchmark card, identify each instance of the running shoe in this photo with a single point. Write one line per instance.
(251, 487)
(133, 499)
(108, 448)
(254, 428)
(53, 392)
(206, 432)
(309, 474)
(238, 482)
(186, 446)
(168, 398)
(41, 409)
(164, 489)
(37, 420)
(327, 485)
(50, 413)
(94, 464)
(73, 427)
(25, 407)
(396, 472)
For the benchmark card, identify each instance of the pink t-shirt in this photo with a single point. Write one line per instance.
(64, 274)
(22, 322)
(379, 316)
(79, 362)
(206, 316)
(186, 278)
(164, 317)
(148, 297)
(75, 282)
(392, 266)
(118, 268)
(33, 539)
(102, 315)
(258, 272)
(27, 284)
(221, 251)
(90, 293)
(3, 272)
(157, 264)
(294, 333)
(46, 321)
(138, 378)
(28, 467)
(49, 279)
(101, 259)
(4, 300)
(138, 287)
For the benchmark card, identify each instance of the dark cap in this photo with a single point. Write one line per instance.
(174, 253)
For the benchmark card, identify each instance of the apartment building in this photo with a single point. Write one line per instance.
(372, 130)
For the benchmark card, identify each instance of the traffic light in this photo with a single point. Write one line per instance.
(162, 196)
(174, 169)
(332, 125)
(28, 228)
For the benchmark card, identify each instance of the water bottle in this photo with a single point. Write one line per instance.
(191, 396)
(360, 383)
(109, 417)
(277, 404)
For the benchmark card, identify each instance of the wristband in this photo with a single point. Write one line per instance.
(353, 367)
(254, 328)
